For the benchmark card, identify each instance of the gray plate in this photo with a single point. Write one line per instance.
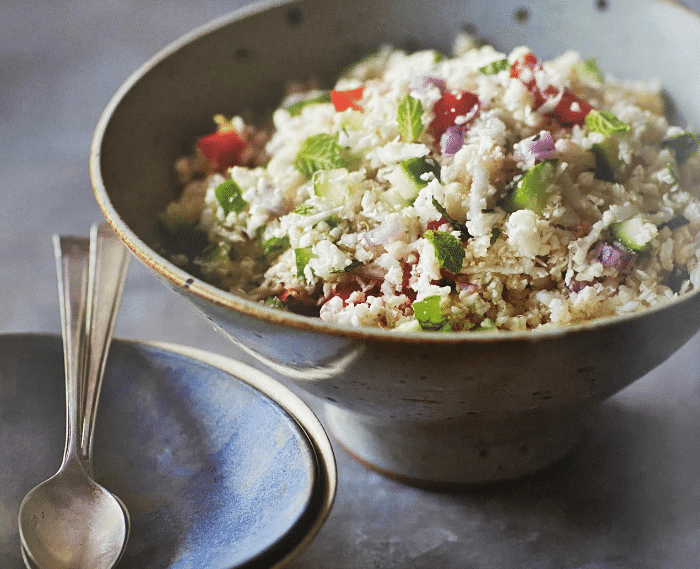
(213, 465)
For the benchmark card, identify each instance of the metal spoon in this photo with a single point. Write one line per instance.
(69, 521)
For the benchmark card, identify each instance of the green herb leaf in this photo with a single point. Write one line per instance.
(304, 209)
(275, 302)
(230, 197)
(448, 250)
(355, 263)
(589, 71)
(675, 222)
(331, 221)
(495, 67)
(605, 123)
(409, 117)
(438, 56)
(320, 152)
(302, 255)
(684, 145)
(295, 108)
(430, 315)
(275, 246)
(461, 227)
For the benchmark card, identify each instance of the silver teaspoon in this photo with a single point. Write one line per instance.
(69, 521)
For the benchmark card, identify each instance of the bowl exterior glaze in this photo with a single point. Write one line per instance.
(453, 407)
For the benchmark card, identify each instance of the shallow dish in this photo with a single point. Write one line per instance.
(448, 407)
(218, 465)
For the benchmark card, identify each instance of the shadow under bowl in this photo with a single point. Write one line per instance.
(453, 407)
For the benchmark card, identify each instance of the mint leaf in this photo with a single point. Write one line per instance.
(589, 72)
(230, 197)
(320, 152)
(274, 302)
(430, 315)
(409, 117)
(438, 56)
(605, 123)
(461, 227)
(302, 255)
(295, 108)
(448, 249)
(684, 145)
(275, 246)
(304, 209)
(494, 67)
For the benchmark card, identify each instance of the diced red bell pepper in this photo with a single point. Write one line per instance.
(450, 106)
(405, 283)
(344, 289)
(222, 149)
(571, 108)
(343, 100)
(436, 223)
(524, 69)
(299, 302)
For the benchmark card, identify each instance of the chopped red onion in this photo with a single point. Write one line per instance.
(536, 148)
(391, 230)
(577, 286)
(422, 83)
(373, 272)
(468, 287)
(614, 256)
(452, 140)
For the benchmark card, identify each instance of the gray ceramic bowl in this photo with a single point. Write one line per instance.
(450, 407)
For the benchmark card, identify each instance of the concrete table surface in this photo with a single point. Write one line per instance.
(629, 496)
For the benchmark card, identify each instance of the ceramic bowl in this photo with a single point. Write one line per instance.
(452, 407)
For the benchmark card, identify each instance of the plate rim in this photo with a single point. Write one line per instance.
(325, 480)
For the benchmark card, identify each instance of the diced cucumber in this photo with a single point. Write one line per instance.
(302, 257)
(408, 326)
(607, 161)
(333, 185)
(406, 180)
(684, 145)
(530, 191)
(635, 233)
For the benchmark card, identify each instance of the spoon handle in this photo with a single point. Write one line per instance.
(109, 262)
(72, 255)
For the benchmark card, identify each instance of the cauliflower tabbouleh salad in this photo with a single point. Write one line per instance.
(475, 192)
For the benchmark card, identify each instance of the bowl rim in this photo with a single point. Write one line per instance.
(181, 279)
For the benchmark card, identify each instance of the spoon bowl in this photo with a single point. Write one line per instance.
(69, 521)
(71, 499)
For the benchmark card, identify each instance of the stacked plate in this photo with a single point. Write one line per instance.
(219, 465)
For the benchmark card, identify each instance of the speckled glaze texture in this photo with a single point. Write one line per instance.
(214, 472)
(429, 408)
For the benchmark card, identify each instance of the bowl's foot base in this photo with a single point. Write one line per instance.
(463, 451)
